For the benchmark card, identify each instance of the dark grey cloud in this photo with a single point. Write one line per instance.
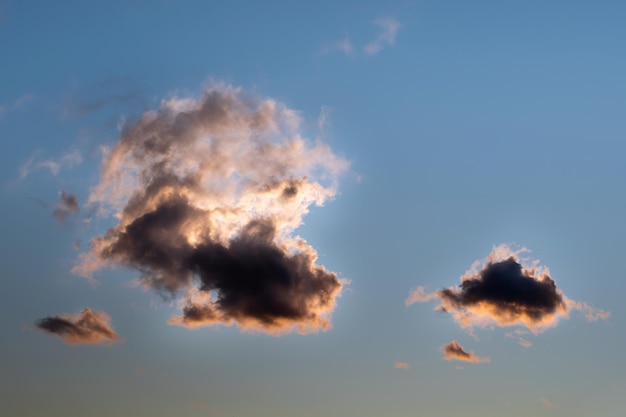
(87, 327)
(503, 292)
(209, 192)
(67, 204)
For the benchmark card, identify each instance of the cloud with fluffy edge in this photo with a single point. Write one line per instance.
(88, 327)
(453, 351)
(207, 194)
(505, 290)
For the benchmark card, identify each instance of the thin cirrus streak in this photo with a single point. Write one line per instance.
(207, 194)
(87, 327)
(506, 290)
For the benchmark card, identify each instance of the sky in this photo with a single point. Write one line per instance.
(307, 209)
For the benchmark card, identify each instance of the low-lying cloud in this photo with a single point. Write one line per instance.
(453, 351)
(88, 327)
(506, 290)
(402, 365)
(207, 194)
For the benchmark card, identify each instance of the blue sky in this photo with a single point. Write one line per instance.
(465, 126)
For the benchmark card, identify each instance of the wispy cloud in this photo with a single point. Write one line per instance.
(518, 334)
(324, 118)
(67, 204)
(87, 327)
(453, 351)
(35, 162)
(548, 404)
(402, 365)
(22, 101)
(388, 30)
(110, 92)
(343, 46)
(19, 103)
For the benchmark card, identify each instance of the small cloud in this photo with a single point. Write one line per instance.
(112, 91)
(388, 30)
(343, 46)
(418, 295)
(453, 351)
(41, 203)
(324, 118)
(548, 404)
(3, 110)
(590, 312)
(197, 404)
(23, 100)
(506, 290)
(68, 160)
(80, 109)
(87, 327)
(518, 335)
(67, 204)
(402, 365)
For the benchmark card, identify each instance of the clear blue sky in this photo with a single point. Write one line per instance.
(466, 125)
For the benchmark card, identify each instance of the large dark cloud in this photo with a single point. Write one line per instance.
(208, 193)
(67, 204)
(503, 292)
(453, 351)
(88, 327)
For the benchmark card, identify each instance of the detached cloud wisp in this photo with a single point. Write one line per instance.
(207, 194)
(506, 290)
(402, 365)
(388, 30)
(88, 327)
(67, 204)
(34, 163)
(343, 46)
